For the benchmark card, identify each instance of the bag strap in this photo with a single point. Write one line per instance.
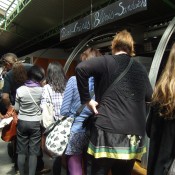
(33, 98)
(79, 110)
(49, 95)
(119, 77)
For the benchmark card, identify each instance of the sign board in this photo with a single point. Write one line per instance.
(116, 11)
(111, 13)
(76, 28)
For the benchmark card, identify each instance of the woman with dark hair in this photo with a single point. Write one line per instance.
(117, 137)
(161, 121)
(28, 98)
(54, 89)
(78, 139)
(56, 77)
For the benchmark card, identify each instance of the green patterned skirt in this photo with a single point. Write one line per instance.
(116, 146)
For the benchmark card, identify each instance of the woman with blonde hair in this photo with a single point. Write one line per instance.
(161, 121)
(117, 137)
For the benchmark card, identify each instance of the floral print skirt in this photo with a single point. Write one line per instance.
(78, 142)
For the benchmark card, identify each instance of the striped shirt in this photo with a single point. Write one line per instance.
(71, 103)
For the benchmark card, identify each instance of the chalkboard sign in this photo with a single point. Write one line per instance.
(111, 13)
(76, 28)
(116, 11)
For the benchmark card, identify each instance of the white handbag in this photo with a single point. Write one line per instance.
(48, 112)
(58, 136)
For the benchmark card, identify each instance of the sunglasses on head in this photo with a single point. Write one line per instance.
(5, 62)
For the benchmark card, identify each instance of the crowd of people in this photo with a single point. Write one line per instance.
(116, 92)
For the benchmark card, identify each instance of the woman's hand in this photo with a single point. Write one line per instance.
(1, 116)
(92, 104)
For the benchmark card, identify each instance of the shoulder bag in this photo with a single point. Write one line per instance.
(57, 134)
(9, 131)
(48, 111)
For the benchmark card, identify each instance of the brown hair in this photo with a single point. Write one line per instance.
(164, 92)
(90, 53)
(123, 41)
(19, 73)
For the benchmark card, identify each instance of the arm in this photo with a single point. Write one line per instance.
(86, 69)
(17, 102)
(95, 68)
(6, 100)
(68, 95)
(6, 91)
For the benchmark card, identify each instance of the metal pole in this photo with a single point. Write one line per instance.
(155, 68)
(79, 47)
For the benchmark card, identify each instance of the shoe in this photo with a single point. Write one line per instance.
(43, 171)
(17, 172)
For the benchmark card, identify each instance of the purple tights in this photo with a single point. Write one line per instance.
(74, 163)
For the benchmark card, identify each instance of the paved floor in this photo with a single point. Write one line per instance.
(6, 165)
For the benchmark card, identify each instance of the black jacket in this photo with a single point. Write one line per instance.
(123, 109)
(162, 143)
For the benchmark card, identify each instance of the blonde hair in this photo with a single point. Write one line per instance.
(10, 58)
(123, 41)
(164, 92)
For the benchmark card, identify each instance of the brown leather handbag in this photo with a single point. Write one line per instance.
(9, 131)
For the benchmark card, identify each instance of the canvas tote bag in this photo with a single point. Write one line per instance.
(48, 112)
(58, 137)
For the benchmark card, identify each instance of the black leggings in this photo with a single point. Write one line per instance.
(56, 165)
(102, 166)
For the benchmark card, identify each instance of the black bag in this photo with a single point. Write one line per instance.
(88, 124)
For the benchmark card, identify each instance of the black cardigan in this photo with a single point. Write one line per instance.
(162, 143)
(122, 110)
